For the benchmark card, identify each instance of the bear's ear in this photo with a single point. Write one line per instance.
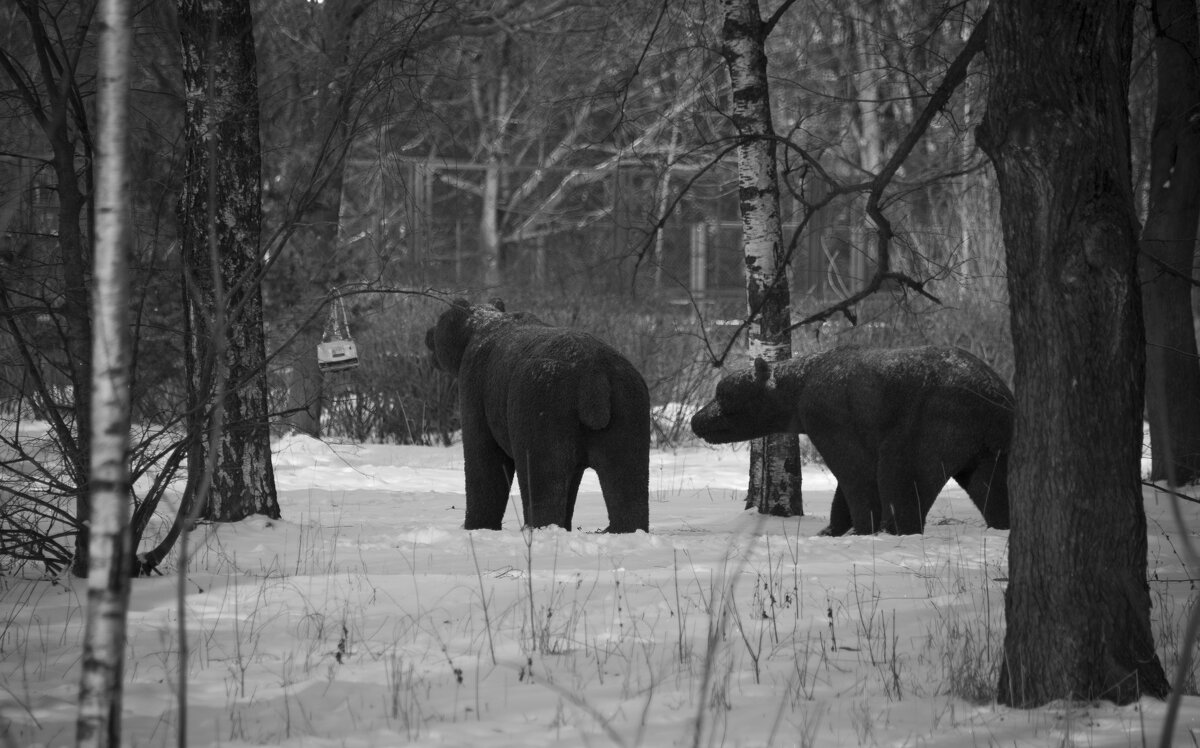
(497, 302)
(762, 372)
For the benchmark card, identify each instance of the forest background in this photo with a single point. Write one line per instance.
(573, 158)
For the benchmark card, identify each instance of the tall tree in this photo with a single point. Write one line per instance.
(1057, 130)
(1168, 246)
(774, 460)
(101, 679)
(47, 52)
(220, 219)
(51, 90)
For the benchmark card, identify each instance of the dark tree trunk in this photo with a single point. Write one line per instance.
(76, 313)
(1077, 605)
(220, 217)
(1168, 247)
(63, 120)
(774, 486)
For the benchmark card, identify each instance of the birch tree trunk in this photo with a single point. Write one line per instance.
(1077, 606)
(774, 460)
(491, 97)
(1168, 247)
(870, 136)
(110, 554)
(220, 217)
(489, 225)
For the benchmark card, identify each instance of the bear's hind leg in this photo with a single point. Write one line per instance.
(987, 485)
(545, 480)
(626, 489)
(572, 494)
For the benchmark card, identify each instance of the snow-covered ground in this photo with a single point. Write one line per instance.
(368, 617)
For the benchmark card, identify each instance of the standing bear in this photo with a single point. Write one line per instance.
(545, 402)
(893, 426)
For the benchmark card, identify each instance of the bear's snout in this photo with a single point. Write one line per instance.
(709, 423)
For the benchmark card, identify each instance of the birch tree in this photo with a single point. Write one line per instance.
(110, 554)
(220, 219)
(1077, 607)
(774, 460)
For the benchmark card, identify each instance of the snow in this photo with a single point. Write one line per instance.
(368, 617)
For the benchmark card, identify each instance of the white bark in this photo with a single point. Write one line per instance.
(489, 225)
(99, 721)
(774, 486)
(664, 196)
(870, 137)
(493, 108)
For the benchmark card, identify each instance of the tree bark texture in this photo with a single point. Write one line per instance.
(774, 486)
(1169, 246)
(490, 93)
(110, 552)
(1057, 131)
(220, 217)
(869, 135)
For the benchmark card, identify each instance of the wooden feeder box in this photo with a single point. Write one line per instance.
(337, 351)
(337, 355)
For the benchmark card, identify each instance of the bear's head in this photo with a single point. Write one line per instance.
(448, 339)
(746, 406)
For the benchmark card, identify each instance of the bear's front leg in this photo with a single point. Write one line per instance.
(840, 522)
(489, 474)
(861, 494)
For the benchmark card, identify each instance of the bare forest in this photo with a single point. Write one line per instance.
(697, 183)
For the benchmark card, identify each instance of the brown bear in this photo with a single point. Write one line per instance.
(892, 425)
(545, 402)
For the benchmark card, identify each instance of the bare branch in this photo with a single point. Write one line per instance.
(955, 74)
(771, 22)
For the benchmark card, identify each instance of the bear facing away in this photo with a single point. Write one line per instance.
(893, 426)
(546, 403)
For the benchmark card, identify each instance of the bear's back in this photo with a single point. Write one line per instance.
(904, 371)
(530, 353)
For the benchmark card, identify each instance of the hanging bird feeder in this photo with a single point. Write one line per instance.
(337, 351)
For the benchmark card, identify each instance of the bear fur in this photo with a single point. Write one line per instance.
(892, 425)
(546, 403)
